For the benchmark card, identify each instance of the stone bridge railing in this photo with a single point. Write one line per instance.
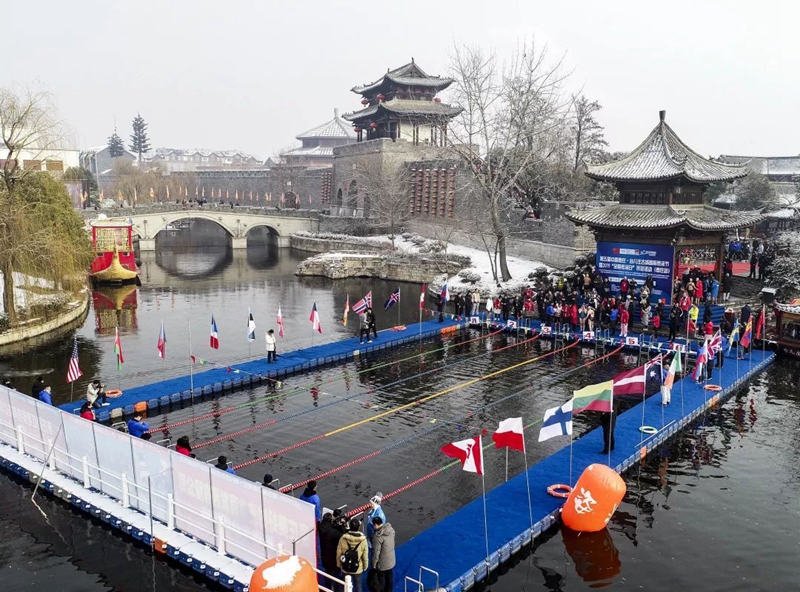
(90, 214)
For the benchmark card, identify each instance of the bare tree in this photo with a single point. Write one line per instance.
(588, 137)
(513, 122)
(29, 128)
(385, 192)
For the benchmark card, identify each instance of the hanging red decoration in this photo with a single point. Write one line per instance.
(364, 102)
(381, 98)
(357, 129)
(373, 125)
(437, 100)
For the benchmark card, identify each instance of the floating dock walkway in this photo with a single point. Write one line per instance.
(455, 547)
(161, 395)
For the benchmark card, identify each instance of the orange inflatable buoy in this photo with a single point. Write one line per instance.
(559, 490)
(113, 394)
(713, 387)
(287, 573)
(594, 499)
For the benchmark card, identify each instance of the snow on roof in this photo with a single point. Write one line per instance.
(334, 128)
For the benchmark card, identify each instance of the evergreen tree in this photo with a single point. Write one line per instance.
(140, 143)
(116, 147)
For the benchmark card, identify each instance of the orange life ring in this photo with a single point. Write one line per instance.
(713, 387)
(559, 490)
(113, 393)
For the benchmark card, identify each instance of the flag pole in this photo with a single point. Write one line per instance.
(485, 519)
(506, 464)
(191, 361)
(661, 381)
(571, 437)
(528, 479)
(613, 425)
(398, 310)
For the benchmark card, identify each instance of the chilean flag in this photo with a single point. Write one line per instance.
(162, 343)
(468, 452)
(510, 434)
(314, 318)
(214, 339)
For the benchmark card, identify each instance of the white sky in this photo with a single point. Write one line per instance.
(251, 74)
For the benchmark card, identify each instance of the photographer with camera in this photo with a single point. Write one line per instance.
(96, 394)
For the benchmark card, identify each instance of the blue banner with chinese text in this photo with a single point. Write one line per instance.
(630, 260)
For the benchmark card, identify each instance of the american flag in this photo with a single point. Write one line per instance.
(363, 304)
(74, 372)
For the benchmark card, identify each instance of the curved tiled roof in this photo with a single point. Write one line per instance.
(655, 217)
(335, 128)
(407, 107)
(663, 156)
(408, 75)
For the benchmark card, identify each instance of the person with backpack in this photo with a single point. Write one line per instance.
(383, 557)
(352, 556)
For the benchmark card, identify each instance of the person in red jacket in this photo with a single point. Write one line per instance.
(656, 323)
(624, 319)
(87, 412)
(573, 316)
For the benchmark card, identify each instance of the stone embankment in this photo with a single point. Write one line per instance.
(35, 332)
(400, 268)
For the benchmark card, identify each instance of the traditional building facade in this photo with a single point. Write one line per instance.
(173, 160)
(661, 185)
(319, 142)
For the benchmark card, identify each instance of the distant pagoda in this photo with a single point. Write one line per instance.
(319, 142)
(402, 104)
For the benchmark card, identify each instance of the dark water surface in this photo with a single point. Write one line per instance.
(715, 510)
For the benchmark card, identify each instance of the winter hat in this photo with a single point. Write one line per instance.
(376, 499)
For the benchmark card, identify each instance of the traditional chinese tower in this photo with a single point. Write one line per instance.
(402, 104)
(660, 209)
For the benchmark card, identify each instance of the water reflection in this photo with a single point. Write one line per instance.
(594, 556)
(114, 307)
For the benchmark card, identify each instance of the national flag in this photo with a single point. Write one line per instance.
(510, 434)
(715, 344)
(760, 323)
(422, 298)
(280, 321)
(445, 293)
(118, 349)
(557, 422)
(314, 318)
(346, 310)
(74, 371)
(200, 361)
(468, 452)
(363, 304)
(748, 333)
(674, 368)
(595, 397)
(734, 336)
(653, 373)
(702, 359)
(214, 338)
(630, 382)
(162, 343)
(394, 298)
(251, 326)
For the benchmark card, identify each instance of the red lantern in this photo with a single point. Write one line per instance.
(437, 100)
(373, 125)
(380, 98)
(357, 129)
(364, 102)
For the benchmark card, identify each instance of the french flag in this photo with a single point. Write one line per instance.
(214, 339)
(510, 434)
(445, 293)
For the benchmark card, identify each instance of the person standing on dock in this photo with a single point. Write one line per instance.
(138, 428)
(222, 465)
(45, 395)
(371, 324)
(329, 537)
(87, 412)
(183, 447)
(310, 496)
(268, 480)
(352, 556)
(383, 556)
(440, 304)
(375, 511)
(272, 346)
(37, 387)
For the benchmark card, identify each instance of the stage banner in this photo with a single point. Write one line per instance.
(631, 260)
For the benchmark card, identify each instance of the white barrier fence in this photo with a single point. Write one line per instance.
(230, 514)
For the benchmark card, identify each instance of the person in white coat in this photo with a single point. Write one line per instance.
(272, 346)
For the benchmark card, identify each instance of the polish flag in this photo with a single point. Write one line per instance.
(280, 322)
(510, 434)
(314, 318)
(214, 339)
(422, 298)
(469, 452)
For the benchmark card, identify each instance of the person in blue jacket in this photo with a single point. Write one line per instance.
(222, 465)
(138, 428)
(45, 395)
(310, 496)
(375, 511)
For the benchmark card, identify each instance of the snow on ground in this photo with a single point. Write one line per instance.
(22, 297)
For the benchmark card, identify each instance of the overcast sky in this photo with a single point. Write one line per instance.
(252, 74)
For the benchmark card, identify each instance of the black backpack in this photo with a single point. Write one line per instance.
(350, 562)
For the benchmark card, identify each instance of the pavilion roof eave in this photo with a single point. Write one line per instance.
(628, 217)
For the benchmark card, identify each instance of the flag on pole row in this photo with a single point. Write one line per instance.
(468, 452)
(314, 318)
(73, 371)
(715, 344)
(702, 359)
(118, 349)
(760, 323)
(510, 434)
(280, 321)
(445, 293)
(214, 338)
(200, 361)
(251, 327)
(557, 422)
(363, 304)
(422, 298)
(346, 310)
(394, 298)
(748, 333)
(162, 343)
(734, 336)
(631, 382)
(595, 397)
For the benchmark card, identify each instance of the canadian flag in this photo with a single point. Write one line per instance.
(510, 434)
(422, 298)
(469, 452)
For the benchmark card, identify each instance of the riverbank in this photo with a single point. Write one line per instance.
(37, 331)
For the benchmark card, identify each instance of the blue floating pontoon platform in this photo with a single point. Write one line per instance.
(455, 547)
(225, 379)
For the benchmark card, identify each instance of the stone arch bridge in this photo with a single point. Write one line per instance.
(237, 222)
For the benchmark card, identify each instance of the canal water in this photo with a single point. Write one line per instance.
(715, 510)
